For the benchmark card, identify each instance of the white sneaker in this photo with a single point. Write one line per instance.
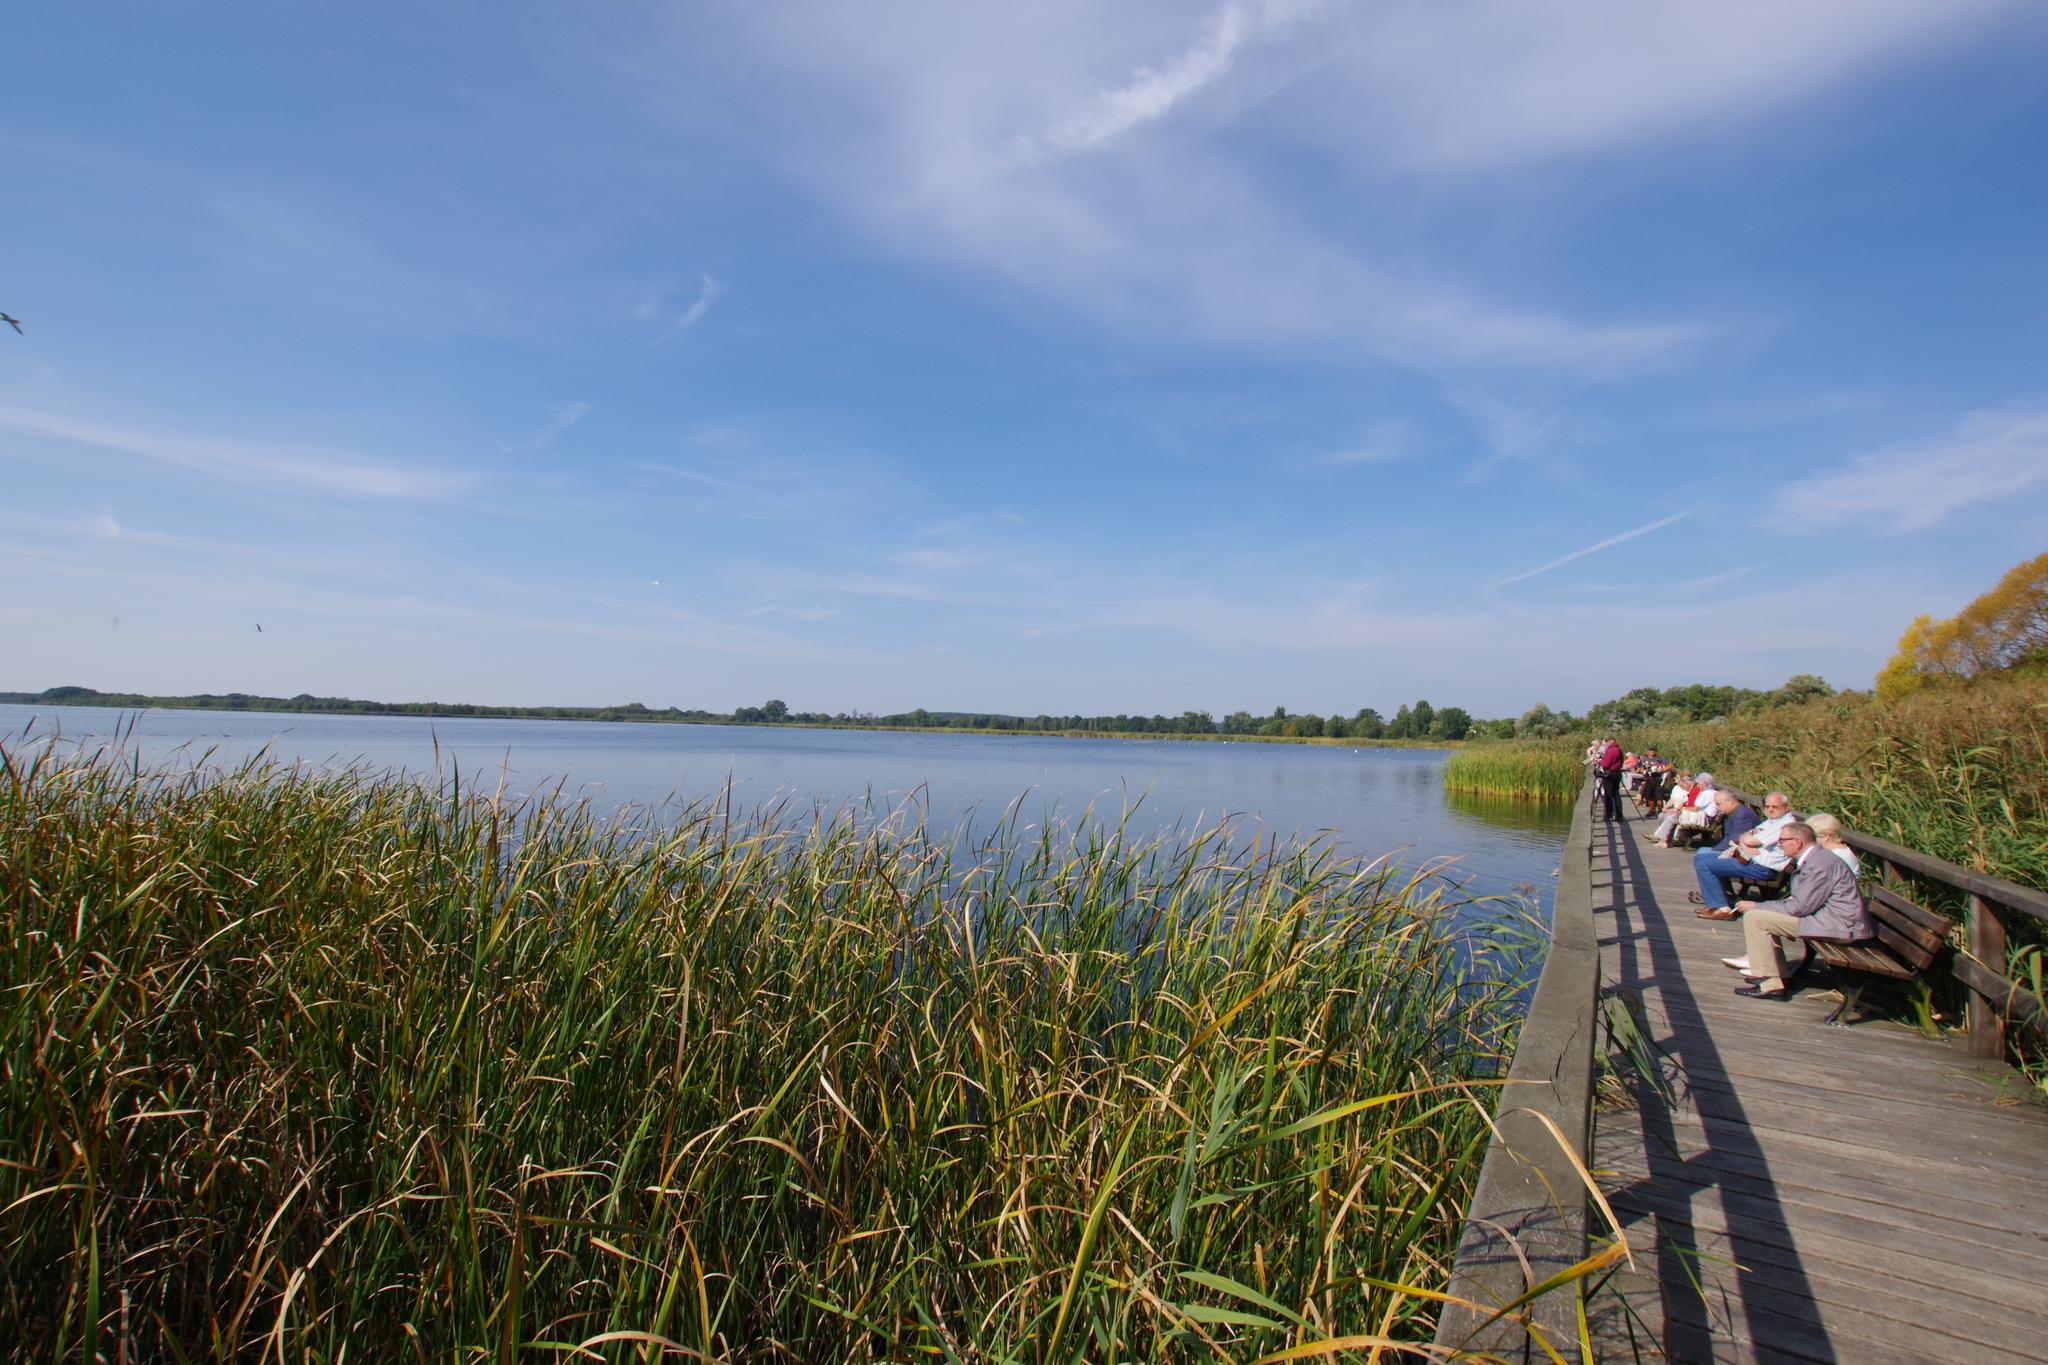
(1740, 964)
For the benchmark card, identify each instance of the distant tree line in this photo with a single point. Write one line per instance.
(1644, 706)
(1420, 721)
(1647, 706)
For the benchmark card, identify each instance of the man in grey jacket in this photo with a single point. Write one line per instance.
(1824, 902)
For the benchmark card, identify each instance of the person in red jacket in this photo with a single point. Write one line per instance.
(1610, 780)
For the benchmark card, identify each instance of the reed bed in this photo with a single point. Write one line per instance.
(1531, 769)
(344, 1067)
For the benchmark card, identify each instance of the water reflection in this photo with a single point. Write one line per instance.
(1550, 819)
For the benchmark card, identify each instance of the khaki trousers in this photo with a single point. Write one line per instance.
(1761, 931)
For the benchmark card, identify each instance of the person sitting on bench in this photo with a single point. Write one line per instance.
(1828, 830)
(1824, 902)
(1711, 865)
(1699, 796)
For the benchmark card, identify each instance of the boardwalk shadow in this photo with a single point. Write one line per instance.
(1691, 1306)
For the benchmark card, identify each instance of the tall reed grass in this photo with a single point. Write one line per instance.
(349, 1068)
(1534, 769)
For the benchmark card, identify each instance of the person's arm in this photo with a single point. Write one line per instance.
(1810, 887)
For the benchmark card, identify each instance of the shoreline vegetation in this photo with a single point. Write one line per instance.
(1238, 727)
(1549, 770)
(331, 1063)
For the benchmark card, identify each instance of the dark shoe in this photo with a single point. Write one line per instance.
(1695, 898)
(1757, 992)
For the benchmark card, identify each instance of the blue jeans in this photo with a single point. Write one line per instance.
(1710, 865)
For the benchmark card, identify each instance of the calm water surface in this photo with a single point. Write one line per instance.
(1369, 801)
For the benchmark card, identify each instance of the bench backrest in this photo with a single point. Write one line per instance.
(1915, 935)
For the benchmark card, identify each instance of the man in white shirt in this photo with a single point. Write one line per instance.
(1760, 845)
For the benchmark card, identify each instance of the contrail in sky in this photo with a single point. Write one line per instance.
(1608, 543)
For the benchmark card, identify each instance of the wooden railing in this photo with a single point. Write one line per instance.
(1994, 999)
(1528, 1215)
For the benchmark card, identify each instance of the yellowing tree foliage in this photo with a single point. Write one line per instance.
(2006, 626)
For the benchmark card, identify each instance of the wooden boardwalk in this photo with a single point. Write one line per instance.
(1798, 1192)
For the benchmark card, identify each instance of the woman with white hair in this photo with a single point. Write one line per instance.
(1699, 796)
(1827, 832)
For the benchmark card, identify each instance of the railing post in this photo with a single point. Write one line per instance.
(1987, 944)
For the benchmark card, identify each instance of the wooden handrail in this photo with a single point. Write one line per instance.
(1528, 1212)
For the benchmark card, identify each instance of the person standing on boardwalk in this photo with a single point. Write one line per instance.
(1824, 902)
(1610, 780)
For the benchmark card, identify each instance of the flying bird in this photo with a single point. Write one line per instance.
(259, 627)
(12, 321)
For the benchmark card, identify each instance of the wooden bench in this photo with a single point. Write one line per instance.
(1910, 940)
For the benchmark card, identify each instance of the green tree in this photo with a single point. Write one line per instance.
(1540, 722)
(1368, 724)
(1453, 722)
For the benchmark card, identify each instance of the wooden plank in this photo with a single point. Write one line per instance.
(1858, 1128)
(1895, 1184)
(1982, 1223)
(2007, 1295)
(1782, 1213)
(1938, 926)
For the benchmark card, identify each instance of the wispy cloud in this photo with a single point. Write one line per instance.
(314, 469)
(560, 418)
(1150, 93)
(1992, 455)
(909, 129)
(1382, 443)
(707, 291)
(1595, 548)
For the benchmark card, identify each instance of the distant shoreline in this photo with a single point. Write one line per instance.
(249, 704)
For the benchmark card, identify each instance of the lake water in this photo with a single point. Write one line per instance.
(1369, 801)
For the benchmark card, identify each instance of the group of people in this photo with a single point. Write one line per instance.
(1805, 858)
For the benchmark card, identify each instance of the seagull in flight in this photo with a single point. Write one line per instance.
(12, 321)
(259, 627)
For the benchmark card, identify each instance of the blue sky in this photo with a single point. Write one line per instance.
(1054, 357)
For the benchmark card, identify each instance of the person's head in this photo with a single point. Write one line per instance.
(1796, 838)
(1826, 829)
(1776, 805)
(1705, 779)
(1653, 751)
(1726, 802)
